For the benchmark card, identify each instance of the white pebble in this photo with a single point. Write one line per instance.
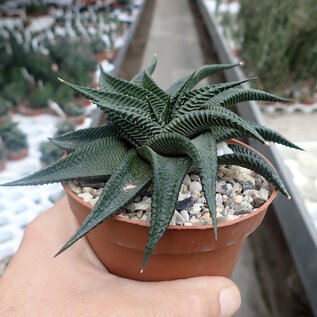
(75, 189)
(195, 187)
(178, 218)
(182, 196)
(238, 199)
(188, 223)
(184, 189)
(195, 210)
(144, 204)
(184, 214)
(187, 180)
(264, 193)
(86, 197)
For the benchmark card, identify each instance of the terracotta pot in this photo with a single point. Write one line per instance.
(111, 54)
(77, 120)
(32, 112)
(100, 56)
(85, 102)
(2, 165)
(183, 251)
(15, 156)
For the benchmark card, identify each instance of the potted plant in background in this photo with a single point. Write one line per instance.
(51, 153)
(37, 103)
(2, 156)
(15, 142)
(75, 112)
(5, 109)
(155, 143)
(98, 46)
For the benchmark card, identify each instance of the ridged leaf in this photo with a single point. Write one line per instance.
(114, 100)
(194, 79)
(121, 86)
(236, 95)
(95, 161)
(246, 158)
(138, 79)
(150, 84)
(126, 113)
(273, 136)
(203, 152)
(73, 140)
(190, 124)
(195, 99)
(224, 133)
(190, 81)
(130, 178)
(168, 175)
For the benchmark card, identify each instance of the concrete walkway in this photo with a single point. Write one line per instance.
(174, 38)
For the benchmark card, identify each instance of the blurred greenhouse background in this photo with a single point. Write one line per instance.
(276, 41)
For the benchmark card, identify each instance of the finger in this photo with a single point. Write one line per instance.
(201, 296)
(46, 234)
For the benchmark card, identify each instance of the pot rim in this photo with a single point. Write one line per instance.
(200, 227)
(175, 227)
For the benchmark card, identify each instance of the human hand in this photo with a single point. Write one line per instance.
(76, 283)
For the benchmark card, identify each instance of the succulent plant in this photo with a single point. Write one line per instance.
(2, 151)
(14, 139)
(72, 109)
(5, 106)
(51, 153)
(39, 98)
(155, 136)
(98, 45)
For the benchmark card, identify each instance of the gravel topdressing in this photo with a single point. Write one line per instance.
(239, 191)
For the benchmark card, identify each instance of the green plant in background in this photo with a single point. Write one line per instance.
(51, 153)
(72, 109)
(2, 151)
(5, 106)
(97, 45)
(279, 43)
(14, 139)
(64, 127)
(40, 97)
(155, 136)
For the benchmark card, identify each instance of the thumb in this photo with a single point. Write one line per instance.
(209, 296)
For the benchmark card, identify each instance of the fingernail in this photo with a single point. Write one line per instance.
(230, 301)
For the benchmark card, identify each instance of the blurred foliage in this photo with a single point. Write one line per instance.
(50, 153)
(72, 109)
(5, 106)
(13, 138)
(279, 43)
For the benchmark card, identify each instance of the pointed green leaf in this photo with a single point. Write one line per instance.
(138, 79)
(203, 152)
(224, 133)
(127, 113)
(190, 81)
(190, 124)
(73, 140)
(273, 136)
(151, 85)
(167, 112)
(91, 162)
(168, 175)
(246, 158)
(121, 86)
(114, 100)
(130, 178)
(236, 95)
(195, 99)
